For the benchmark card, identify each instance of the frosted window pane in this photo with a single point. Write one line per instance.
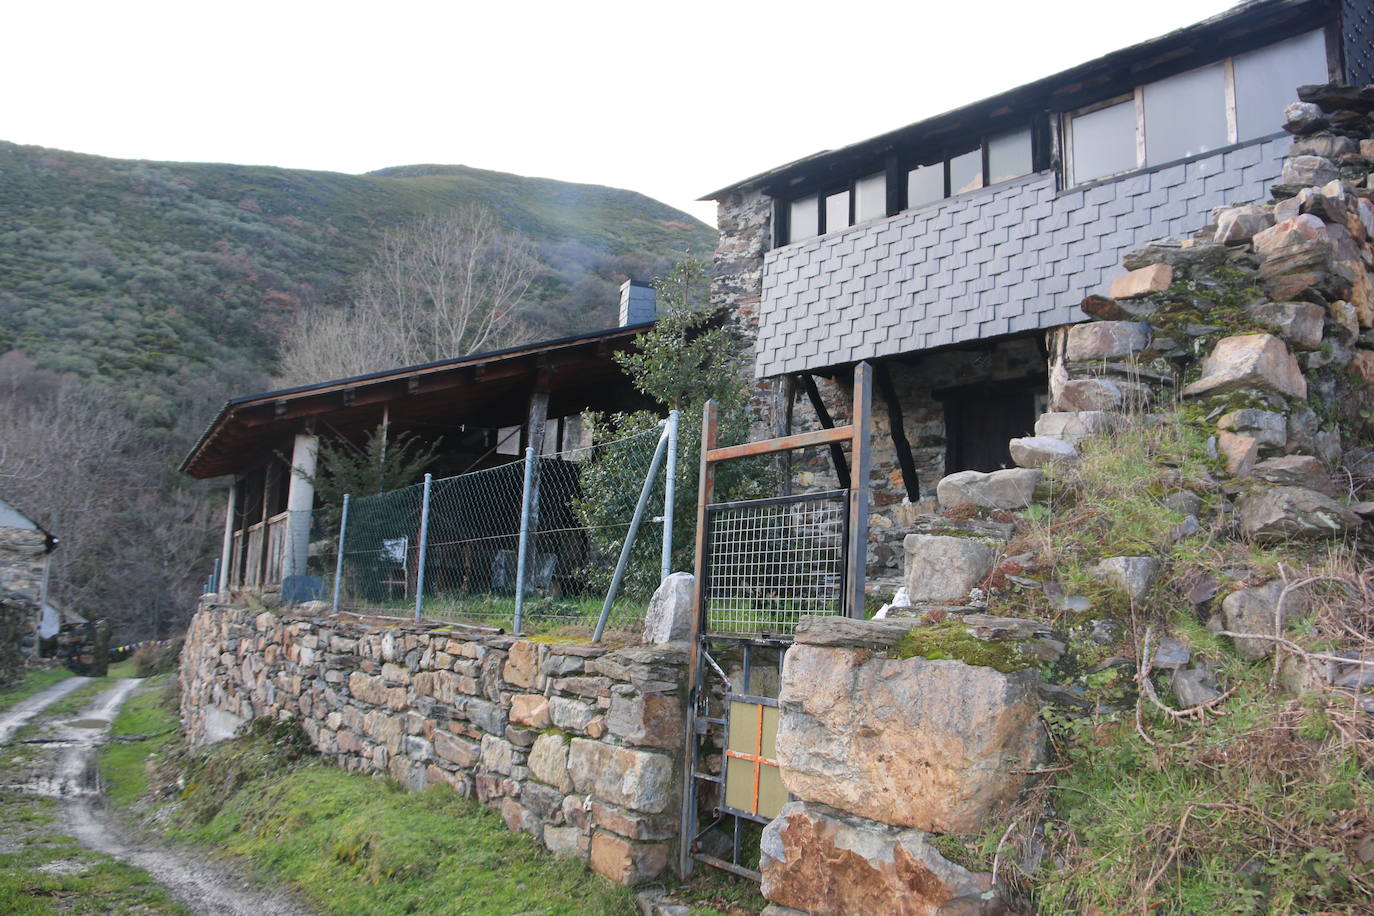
(1009, 156)
(801, 219)
(1266, 81)
(1104, 141)
(1185, 115)
(870, 197)
(837, 211)
(925, 184)
(966, 172)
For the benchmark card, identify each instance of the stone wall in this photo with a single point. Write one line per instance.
(22, 552)
(575, 744)
(21, 561)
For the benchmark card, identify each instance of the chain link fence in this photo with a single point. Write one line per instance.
(542, 537)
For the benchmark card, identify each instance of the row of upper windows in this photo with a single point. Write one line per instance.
(1238, 99)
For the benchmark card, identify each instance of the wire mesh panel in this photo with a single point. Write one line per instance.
(581, 505)
(381, 551)
(771, 562)
(473, 543)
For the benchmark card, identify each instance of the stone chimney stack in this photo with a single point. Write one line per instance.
(638, 303)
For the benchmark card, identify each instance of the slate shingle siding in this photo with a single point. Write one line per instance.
(1016, 257)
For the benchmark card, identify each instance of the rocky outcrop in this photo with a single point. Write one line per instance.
(937, 745)
(669, 617)
(1013, 488)
(830, 863)
(943, 569)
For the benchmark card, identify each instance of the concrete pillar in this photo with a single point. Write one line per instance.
(226, 554)
(300, 499)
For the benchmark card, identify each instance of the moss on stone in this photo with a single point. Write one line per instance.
(951, 640)
(1217, 301)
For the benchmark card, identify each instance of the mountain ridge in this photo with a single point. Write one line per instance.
(147, 271)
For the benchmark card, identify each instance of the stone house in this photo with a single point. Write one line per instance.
(941, 252)
(24, 553)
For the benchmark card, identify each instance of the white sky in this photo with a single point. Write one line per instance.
(672, 100)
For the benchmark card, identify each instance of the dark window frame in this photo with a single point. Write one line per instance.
(896, 167)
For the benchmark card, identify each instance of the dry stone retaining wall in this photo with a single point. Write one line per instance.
(574, 744)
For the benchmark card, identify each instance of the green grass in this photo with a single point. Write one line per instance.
(350, 843)
(50, 873)
(143, 727)
(360, 845)
(124, 668)
(34, 681)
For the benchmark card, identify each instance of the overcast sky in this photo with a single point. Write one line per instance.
(672, 100)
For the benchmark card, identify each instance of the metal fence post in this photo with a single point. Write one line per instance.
(630, 535)
(522, 555)
(424, 541)
(669, 495)
(338, 561)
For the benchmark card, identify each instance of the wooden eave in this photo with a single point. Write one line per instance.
(489, 390)
(1243, 28)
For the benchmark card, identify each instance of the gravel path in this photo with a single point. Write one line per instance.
(18, 715)
(66, 769)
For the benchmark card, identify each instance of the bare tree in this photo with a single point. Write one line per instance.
(441, 287)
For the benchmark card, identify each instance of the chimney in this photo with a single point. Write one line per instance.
(638, 303)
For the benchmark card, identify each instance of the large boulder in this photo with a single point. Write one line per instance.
(941, 569)
(1250, 361)
(1011, 488)
(669, 618)
(1308, 170)
(1296, 471)
(1276, 514)
(1290, 233)
(1039, 451)
(1300, 323)
(934, 744)
(1133, 575)
(825, 862)
(1097, 340)
(1073, 428)
(1253, 610)
(1239, 224)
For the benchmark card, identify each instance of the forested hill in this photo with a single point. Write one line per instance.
(157, 276)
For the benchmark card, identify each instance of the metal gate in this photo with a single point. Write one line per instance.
(761, 565)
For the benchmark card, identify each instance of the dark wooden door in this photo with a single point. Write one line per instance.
(981, 419)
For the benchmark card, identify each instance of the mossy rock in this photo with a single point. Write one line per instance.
(950, 639)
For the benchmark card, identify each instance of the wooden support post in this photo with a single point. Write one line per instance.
(538, 419)
(858, 490)
(823, 415)
(226, 554)
(898, 429)
(782, 427)
(706, 486)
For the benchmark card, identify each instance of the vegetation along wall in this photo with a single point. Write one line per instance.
(571, 743)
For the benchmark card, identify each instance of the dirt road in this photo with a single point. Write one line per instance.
(64, 768)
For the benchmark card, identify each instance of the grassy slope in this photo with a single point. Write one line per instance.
(355, 844)
(126, 270)
(1257, 807)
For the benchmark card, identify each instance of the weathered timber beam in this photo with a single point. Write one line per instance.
(836, 453)
(899, 441)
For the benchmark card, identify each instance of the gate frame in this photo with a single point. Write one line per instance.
(858, 434)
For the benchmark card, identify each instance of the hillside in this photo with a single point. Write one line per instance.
(153, 274)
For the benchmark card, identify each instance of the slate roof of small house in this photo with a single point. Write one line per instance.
(12, 517)
(488, 389)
